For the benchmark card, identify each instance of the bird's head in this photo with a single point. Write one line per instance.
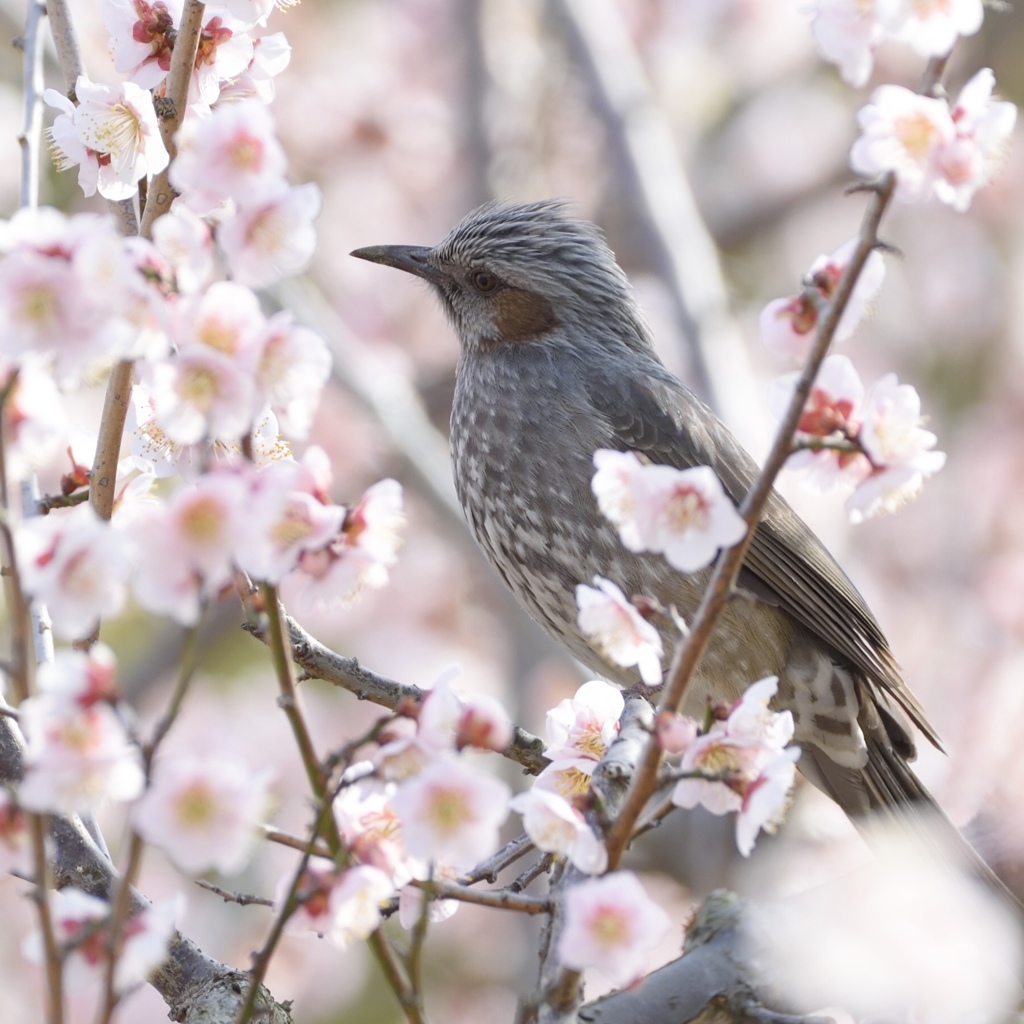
(524, 274)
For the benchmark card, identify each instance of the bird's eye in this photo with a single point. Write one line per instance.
(484, 282)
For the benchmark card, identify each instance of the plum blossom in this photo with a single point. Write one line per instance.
(75, 563)
(789, 326)
(899, 448)
(142, 37)
(450, 813)
(76, 757)
(847, 33)
(618, 631)
(360, 557)
(186, 243)
(483, 723)
(748, 750)
(225, 50)
(983, 130)
(184, 547)
(675, 732)
(611, 924)
(232, 154)
(371, 828)
(275, 238)
(35, 419)
(271, 54)
(833, 412)
(204, 812)
(341, 906)
(682, 513)
(293, 367)
(906, 133)
(112, 136)
(931, 27)
(145, 939)
(82, 677)
(555, 826)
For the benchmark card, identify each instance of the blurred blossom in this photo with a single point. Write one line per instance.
(82, 677)
(451, 813)
(983, 130)
(931, 27)
(847, 33)
(748, 750)
(183, 548)
(232, 154)
(112, 136)
(367, 548)
(789, 326)
(145, 939)
(483, 723)
(203, 812)
(76, 758)
(910, 936)
(271, 54)
(371, 828)
(611, 924)
(410, 904)
(555, 826)
(76, 564)
(224, 52)
(265, 242)
(618, 631)
(683, 514)
(35, 419)
(341, 906)
(586, 724)
(675, 732)
(186, 243)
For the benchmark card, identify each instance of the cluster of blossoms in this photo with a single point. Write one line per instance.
(874, 446)
(849, 31)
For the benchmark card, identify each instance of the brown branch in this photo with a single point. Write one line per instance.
(233, 897)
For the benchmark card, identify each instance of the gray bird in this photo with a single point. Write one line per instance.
(556, 362)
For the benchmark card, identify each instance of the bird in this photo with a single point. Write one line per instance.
(556, 362)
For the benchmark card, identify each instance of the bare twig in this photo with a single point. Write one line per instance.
(234, 897)
(32, 84)
(499, 899)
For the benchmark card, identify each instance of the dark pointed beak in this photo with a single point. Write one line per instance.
(411, 258)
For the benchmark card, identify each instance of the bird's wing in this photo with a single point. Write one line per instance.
(786, 564)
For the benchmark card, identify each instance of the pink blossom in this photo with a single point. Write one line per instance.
(294, 365)
(931, 27)
(145, 939)
(611, 924)
(568, 777)
(75, 563)
(833, 412)
(904, 133)
(483, 723)
(282, 521)
(82, 677)
(675, 732)
(112, 136)
(186, 243)
(371, 828)
(897, 445)
(756, 768)
(142, 37)
(361, 557)
(983, 130)
(586, 724)
(271, 54)
(184, 547)
(204, 813)
(789, 326)
(273, 239)
(225, 50)
(341, 906)
(555, 826)
(76, 758)
(450, 813)
(617, 629)
(232, 154)
(35, 421)
(847, 33)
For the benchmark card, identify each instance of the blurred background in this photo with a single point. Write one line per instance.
(710, 143)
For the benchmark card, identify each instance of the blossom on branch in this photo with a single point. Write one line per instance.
(683, 514)
(555, 826)
(611, 924)
(204, 812)
(112, 136)
(789, 326)
(847, 33)
(753, 768)
(618, 631)
(931, 27)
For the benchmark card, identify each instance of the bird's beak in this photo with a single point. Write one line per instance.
(411, 258)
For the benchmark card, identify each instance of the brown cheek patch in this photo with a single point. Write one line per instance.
(521, 315)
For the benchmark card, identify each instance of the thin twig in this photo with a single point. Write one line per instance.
(499, 899)
(32, 84)
(183, 60)
(233, 897)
